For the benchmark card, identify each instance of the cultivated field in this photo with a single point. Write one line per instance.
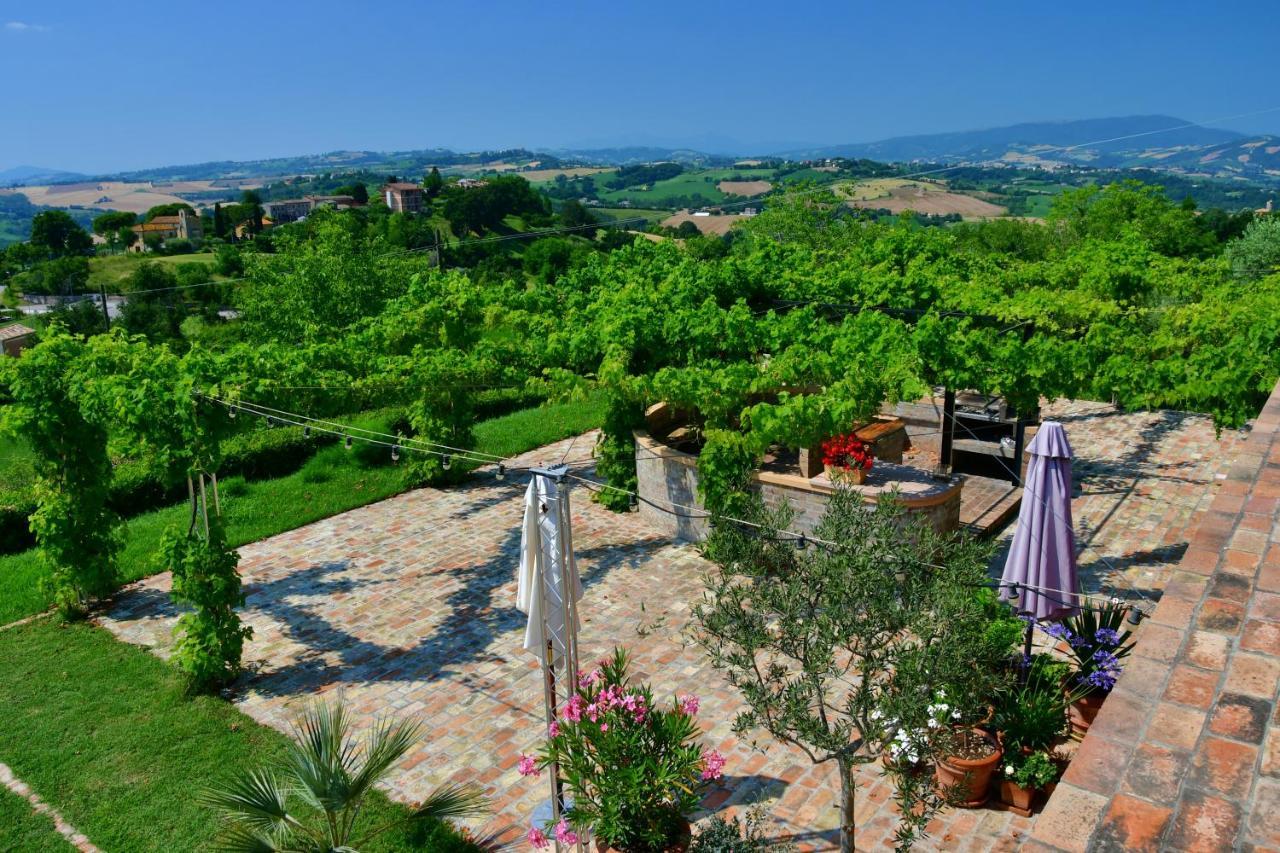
(538, 176)
(746, 188)
(926, 197)
(718, 224)
(114, 195)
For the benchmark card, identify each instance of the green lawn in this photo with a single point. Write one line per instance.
(332, 481)
(103, 732)
(110, 270)
(23, 829)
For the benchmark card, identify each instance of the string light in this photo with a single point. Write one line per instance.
(502, 472)
(446, 462)
(231, 412)
(306, 431)
(347, 443)
(395, 453)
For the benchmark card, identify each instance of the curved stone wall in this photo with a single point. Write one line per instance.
(669, 478)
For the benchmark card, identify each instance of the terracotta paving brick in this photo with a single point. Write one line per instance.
(1240, 717)
(1261, 636)
(1207, 650)
(1265, 605)
(1069, 817)
(1158, 642)
(1223, 766)
(1253, 675)
(1155, 773)
(1132, 824)
(1264, 817)
(1221, 615)
(1097, 765)
(1191, 686)
(1204, 822)
(1271, 753)
(1176, 725)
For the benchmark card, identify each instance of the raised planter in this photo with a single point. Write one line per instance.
(669, 477)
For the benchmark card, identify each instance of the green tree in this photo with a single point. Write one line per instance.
(58, 235)
(433, 183)
(251, 201)
(170, 209)
(219, 221)
(76, 532)
(832, 648)
(110, 226)
(1256, 253)
(574, 214)
(153, 308)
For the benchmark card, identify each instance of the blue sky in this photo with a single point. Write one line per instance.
(98, 87)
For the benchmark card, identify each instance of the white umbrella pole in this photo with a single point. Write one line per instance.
(550, 700)
(568, 586)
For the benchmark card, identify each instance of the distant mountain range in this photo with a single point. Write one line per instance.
(27, 175)
(1156, 142)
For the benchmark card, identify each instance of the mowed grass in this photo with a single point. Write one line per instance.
(23, 829)
(103, 732)
(616, 213)
(334, 480)
(110, 270)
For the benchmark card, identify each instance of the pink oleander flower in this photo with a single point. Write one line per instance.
(604, 727)
(689, 705)
(553, 729)
(712, 765)
(528, 766)
(538, 838)
(573, 708)
(564, 834)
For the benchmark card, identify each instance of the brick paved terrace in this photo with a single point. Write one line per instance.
(406, 607)
(1186, 754)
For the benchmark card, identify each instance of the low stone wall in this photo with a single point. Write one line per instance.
(669, 478)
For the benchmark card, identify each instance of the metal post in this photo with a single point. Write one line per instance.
(550, 699)
(948, 430)
(567, 585)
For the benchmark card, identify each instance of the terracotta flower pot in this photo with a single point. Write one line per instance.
(1016, 797)
(972, 776)
(852, 476)
(684, 837)
(1083, 711)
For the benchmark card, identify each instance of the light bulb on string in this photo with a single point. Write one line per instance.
(446, 462)
(801, 543)
(395, 453)
(1014, 593)
(347, 443)
(306, 431)
(232, 412)
(1135, 616)
(502, 471)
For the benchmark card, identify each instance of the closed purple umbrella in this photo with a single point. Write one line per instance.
(1043, 553)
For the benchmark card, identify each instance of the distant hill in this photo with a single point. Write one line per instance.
(1165, 143)
(633, 154)
(25, 175)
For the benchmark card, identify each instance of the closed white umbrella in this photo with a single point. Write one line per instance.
(547, 568)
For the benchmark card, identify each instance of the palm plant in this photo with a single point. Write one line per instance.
(330, 774)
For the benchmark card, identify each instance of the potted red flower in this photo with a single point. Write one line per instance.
(632, 771)
(847, 458)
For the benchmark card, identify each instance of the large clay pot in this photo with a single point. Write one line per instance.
(1082, 712)
(684, 837)
(1016, 797)
(971, 775)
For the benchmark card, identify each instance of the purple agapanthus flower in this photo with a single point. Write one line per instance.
(1107, 636)
(1056, 630)
(1105, 659)
(1103, 678)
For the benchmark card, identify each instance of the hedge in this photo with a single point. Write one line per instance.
(136, 487)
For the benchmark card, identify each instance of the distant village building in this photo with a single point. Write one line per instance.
(293, 209)
(184, 225)
(15, 337)
(402, 197)
(471, 183)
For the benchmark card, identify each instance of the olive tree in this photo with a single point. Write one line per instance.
(837, 649)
